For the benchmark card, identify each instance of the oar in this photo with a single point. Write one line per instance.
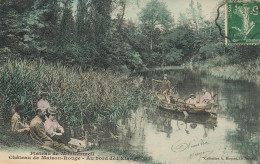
(153, 85)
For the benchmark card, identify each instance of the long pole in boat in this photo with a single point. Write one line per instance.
(153, 85)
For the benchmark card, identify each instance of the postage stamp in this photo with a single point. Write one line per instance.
(242, 22)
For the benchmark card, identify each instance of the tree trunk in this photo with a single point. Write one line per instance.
(151, 44)
(151, 41)
(121, 19)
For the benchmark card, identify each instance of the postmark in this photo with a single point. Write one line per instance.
(242, 22)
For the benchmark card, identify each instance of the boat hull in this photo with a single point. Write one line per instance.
(179, 105)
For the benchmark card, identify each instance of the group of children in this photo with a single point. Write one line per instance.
(44, 127)
(203, 99)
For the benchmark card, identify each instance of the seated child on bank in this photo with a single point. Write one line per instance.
(39, 134)
(53, 128)
(18, 121)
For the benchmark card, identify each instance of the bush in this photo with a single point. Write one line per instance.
(174, 57)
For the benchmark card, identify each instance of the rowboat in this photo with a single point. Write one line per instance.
(179, 105)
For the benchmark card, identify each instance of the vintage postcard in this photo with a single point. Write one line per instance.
(129, 81)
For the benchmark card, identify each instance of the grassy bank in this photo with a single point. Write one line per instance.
(13, 143)
(247, 71)
(82, 96)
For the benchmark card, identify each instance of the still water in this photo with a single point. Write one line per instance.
(231, 138)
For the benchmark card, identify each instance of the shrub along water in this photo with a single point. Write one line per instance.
(82, 96)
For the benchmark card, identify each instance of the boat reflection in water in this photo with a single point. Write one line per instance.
(186, 123)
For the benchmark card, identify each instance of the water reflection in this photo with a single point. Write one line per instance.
(244, 109)
(232, 137)
(132, 130)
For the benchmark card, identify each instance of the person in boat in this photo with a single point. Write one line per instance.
(206, 96)
(54, 130)
(192, 100)
(39, 134)
(18, 121)
(166, 86)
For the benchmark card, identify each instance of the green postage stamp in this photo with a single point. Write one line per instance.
(242, 22)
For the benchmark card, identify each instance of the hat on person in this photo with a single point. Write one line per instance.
(192, 95)
(19, 107)
(52, 110)
(193, 125)
(165, 75)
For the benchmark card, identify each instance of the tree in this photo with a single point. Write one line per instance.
(66, 28)
(81, 19)
(15, 35)
(195, 16)
(155, 14)
(183, 21)
(120, 16)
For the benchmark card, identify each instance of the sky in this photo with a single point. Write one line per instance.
(175, 6)
(134, 7)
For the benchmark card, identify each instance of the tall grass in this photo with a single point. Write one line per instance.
(82, 96)
(247, 71)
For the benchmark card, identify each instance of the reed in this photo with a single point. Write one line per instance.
(82, 96)
(247, 71)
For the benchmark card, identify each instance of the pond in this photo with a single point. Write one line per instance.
(231, 138)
